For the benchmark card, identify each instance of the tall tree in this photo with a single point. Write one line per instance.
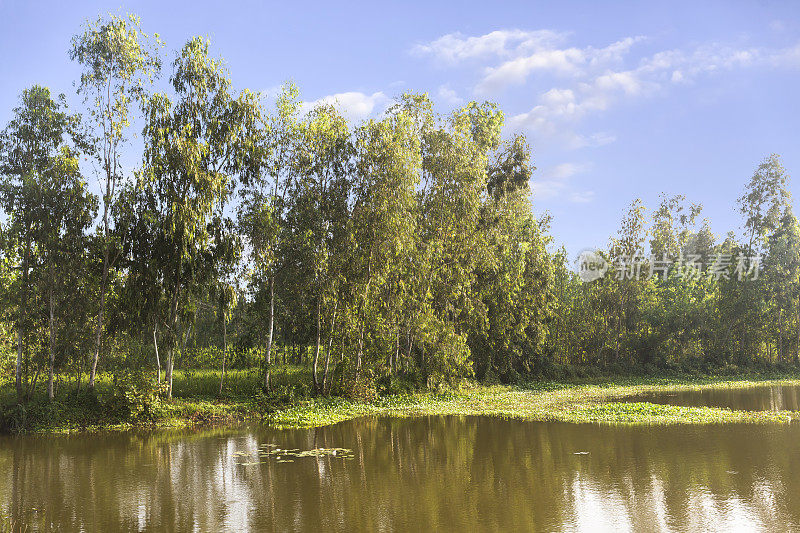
(45, 198)
(189, 160)
(763, 203)
(119, 62)
(266, 173)
(67, 211)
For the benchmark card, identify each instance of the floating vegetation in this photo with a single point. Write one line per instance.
(605, 402)
(288, 455)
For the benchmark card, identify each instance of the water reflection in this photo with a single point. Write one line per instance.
(436, 473)
(760, 398)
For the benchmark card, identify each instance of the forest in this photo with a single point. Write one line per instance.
(249, 247)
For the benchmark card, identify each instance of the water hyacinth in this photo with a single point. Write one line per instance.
(280, 455)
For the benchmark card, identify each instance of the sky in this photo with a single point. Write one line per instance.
(618, 101)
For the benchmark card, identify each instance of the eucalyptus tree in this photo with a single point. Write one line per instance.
(515, 280)
(454, 181)
(45, 200)
(139, 221)
(189, 160)
(66, 212)
(677, 247)
(316, 217)
(119, 63)
(629, 273)
(743, 302)
(266, 172)
(671, 224)
(781, 287)
(388, 161)
(224, 259)
(763, 203)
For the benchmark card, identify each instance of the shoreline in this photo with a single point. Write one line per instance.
(551, 402)
(544, 401)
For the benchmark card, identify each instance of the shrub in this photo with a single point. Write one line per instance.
(135, 399)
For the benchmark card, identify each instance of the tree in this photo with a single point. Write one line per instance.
(765, 200)
(626, 286)
(224, 258)
(454, 183)
(119, 62)
(670, 226)
(189, 160)
(67, 211)
(47, 202)
(514, 282)
(316, 213)
(266, 172)
(782, 284)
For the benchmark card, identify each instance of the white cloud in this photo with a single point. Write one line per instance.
(576, 62)
(271, 92)
(777, 25)
(448, 95)
(558, 111)
(456, 47)
(787, 58)
(546, 190)
(586, 80)
(582, 197)
(554, 182)
(355, 106)
(563, 171)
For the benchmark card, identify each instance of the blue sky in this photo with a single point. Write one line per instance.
(618, 101)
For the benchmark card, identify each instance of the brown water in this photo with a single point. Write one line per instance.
(761, 398)
(426, 474)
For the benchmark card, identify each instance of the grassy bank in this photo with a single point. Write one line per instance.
(197, 402)
(548, 401)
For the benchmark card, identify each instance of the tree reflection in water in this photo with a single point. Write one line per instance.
(424, 474)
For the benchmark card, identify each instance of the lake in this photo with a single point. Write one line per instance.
(414, 474)
(761, 398)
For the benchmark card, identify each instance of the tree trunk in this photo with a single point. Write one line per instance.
(168, 377)
(328, 350)
(32, 386)
(51, 347)
(619, 329)
(155, 345)
(268, 355)
(18, 369)
(409, 348)
(224, 350)
(101, 311)
(396, 354)
(174, 340)
(797, 354)
(780, 335)
(362, 319)
(360, 350)
(20, 326)
(316, 350)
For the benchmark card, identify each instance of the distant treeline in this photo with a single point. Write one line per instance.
(404, 245)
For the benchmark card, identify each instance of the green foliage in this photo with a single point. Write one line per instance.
(276, 255)
(134, 399)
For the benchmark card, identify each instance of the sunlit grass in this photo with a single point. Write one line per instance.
(545, 401)
(196, 400)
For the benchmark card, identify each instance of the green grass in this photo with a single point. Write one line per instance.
(545, 401)
(196, 401)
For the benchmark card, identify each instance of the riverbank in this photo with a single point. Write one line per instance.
(550, 401)
(608, 400)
